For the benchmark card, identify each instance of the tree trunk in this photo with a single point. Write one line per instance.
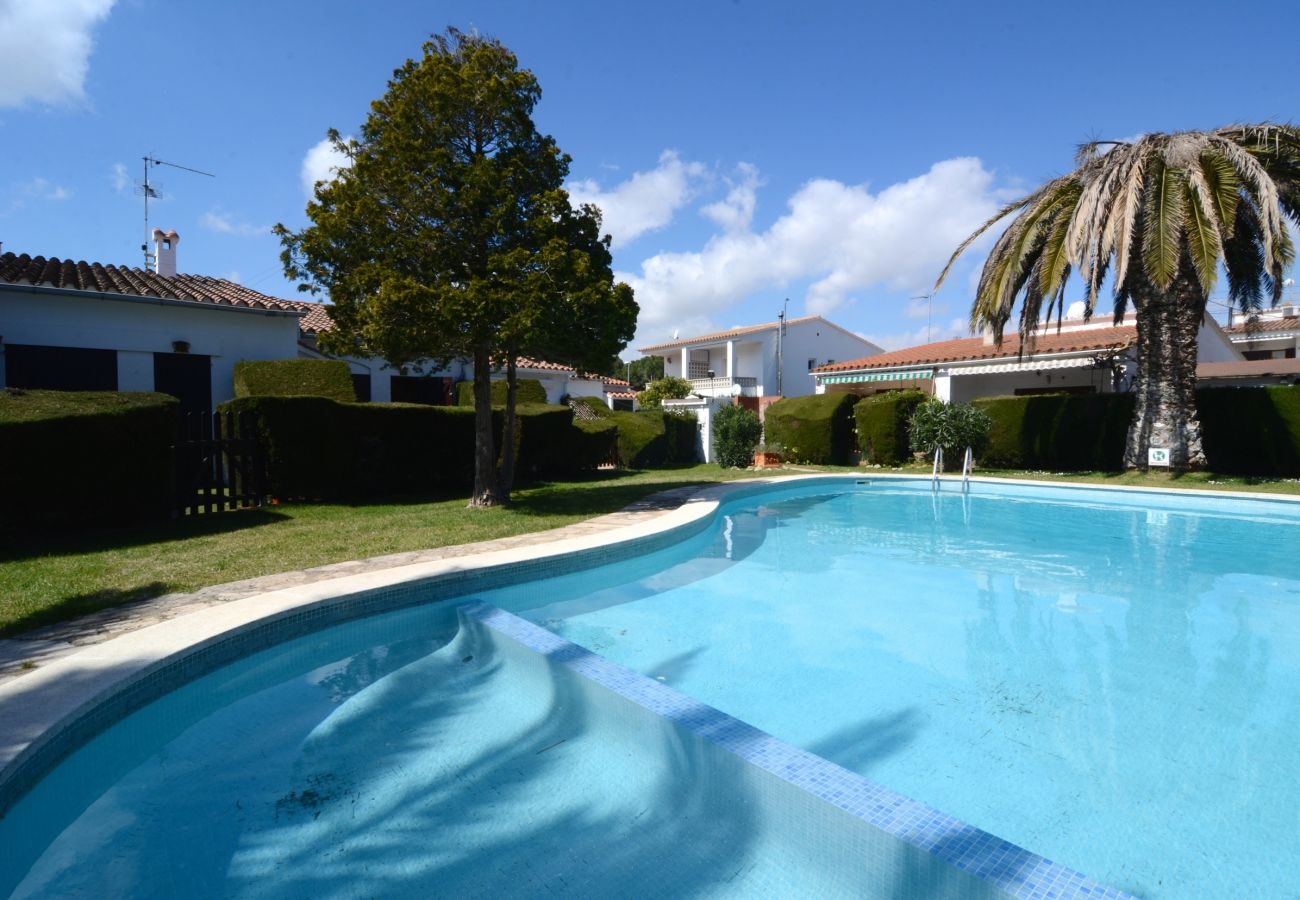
(485, 482)
(1165, 413)
(509, 434)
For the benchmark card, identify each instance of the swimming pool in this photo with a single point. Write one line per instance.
(1101, 677)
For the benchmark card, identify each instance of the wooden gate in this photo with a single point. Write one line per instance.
(219, 463)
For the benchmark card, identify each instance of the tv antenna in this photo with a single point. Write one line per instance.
(147, 190)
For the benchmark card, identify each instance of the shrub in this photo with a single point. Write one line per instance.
(319, 449)
(952, 426)
(1251, 431)
(816, 429)
(1061, 432)
(294, 378)
(882, 423)
(736, 432)
(670, 388)
(529, 391)
(81, 458)
(652, 437)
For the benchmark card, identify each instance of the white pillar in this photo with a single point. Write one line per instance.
(686, 360)
(731, 359)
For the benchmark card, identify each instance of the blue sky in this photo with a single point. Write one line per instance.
(831, 153)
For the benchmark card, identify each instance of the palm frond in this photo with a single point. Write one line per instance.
(1164, 213)
(1202, 229)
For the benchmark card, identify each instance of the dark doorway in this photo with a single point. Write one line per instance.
(361, 387)
(421, 389)
(185, 376)
(60, 368)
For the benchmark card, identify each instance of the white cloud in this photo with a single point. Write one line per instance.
(737, 210)
(322, 163)
(44, 189)
(222, 223)
(841, 237)
(45, 49)
(121, 181)
(644, 202)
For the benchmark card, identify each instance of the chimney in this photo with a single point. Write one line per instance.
(987, 335)
(165, 245)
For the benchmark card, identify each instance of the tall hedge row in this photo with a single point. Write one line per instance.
(1251, 431)
(1066, 432)
(529, 391)
(648, 437)
(294, 378)
(321, 449)
(82, 458)
(815, 429)
(882, 426)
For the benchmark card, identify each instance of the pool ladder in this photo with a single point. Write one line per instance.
(967, 466)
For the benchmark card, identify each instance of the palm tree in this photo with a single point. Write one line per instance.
(1161, 213)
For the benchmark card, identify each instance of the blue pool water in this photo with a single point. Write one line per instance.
(1106, 679)
(1112, 681)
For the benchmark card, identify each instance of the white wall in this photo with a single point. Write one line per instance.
(814, 340)
(139, 327)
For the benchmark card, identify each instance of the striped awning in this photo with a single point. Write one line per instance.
(877, 376)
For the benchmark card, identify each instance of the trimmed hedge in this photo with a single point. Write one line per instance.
(648, 437)
(1251, 431)
(530, 393)
(882, 426)
(320, 449)
(815, 429)
(82, 458)
(295, 378)
(1062, 432)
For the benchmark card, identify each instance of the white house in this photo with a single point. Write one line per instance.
(775, 359)
(1079, 357)
(1270, 334)
(753, 366)
(87, 326)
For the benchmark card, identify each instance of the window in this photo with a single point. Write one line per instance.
(812, 364)
(421, 389)
(60, 368)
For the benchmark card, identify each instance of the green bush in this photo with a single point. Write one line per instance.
(1251, 431)
(651, 437)
(319, 449)
(669, 388)
(80, 458)
(294, 378)
(952, 426)
(529, 392)
(816, 429)
(1059, 432)
(736, 432)
(882, 423)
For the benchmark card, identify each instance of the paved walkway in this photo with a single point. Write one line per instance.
(23, 654)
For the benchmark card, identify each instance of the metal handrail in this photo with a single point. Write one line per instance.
(938, 467)
(967, 466)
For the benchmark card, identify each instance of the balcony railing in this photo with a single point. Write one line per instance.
(721, 387)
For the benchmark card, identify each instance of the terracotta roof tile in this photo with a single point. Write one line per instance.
(1248, 368)
(39, 272)
(621, 395)
(1263, 326)
(970, 349)
(525, 362)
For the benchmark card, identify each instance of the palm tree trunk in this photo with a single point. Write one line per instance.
(1165, 416)
(485, 482)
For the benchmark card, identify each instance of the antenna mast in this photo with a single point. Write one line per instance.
(148, 190)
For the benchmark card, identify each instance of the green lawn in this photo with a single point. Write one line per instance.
(49, 579)
(44, 579)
